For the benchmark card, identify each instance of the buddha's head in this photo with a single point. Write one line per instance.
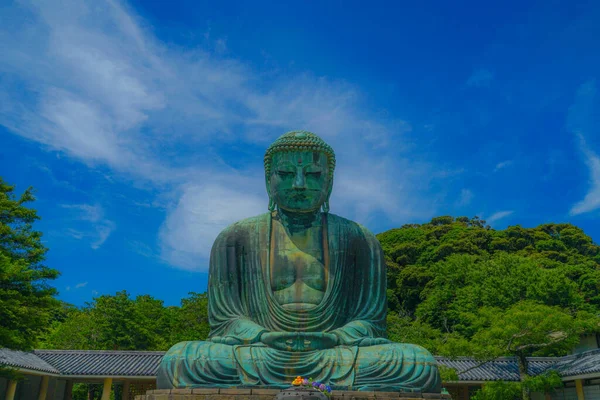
(299, 172)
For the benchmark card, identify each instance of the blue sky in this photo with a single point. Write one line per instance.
(142, 124)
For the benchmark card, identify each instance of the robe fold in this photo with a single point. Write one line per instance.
(242, 307)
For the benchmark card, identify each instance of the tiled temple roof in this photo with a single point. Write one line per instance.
(25, 360)
(145, 363)
(579, 364)
(103, 362)
(503, 368)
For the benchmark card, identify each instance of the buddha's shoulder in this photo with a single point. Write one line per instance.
(253, 224)
(246, 224)
(349, 225)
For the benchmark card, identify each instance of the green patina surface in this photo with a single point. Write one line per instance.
(298, 291)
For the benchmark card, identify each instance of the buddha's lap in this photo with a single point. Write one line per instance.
(397, 366)
(222, 353)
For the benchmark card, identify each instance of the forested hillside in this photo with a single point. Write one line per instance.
(459, 287)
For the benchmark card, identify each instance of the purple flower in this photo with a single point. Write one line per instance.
(305, 381)
(316, 384)
(322, 386)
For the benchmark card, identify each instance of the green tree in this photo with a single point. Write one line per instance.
(155, 323)
(190, 321)
(458, 287)
(528, 328)
(74, 330)
(118, 322)
(27, 300)
(122, 323)
(502, 390)
(499, 390)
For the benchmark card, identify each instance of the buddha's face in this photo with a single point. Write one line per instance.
(299, 180)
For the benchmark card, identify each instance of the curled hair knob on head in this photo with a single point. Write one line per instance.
(298, 141)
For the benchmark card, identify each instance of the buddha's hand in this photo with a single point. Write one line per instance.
(369, 341)
(299, 341)
(228, 340)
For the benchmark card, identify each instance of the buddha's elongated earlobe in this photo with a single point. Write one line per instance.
(326, 203)
(271, 201)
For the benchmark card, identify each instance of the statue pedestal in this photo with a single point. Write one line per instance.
(269, 394)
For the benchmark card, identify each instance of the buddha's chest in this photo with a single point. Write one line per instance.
(297, 271)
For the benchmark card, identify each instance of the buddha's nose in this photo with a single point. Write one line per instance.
(299, 181)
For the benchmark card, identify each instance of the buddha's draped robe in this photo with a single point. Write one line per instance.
(242, 305)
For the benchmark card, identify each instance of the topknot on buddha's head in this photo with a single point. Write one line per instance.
(299, 141)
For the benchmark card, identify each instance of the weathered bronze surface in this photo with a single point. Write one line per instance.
(298, 291)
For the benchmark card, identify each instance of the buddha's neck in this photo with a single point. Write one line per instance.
(297, 221)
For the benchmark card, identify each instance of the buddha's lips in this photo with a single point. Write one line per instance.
(299, 195)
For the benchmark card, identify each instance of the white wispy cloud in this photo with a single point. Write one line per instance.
(466, 196)
(498, 216)
(80, 285)
(96, 228)
(142, 249)
(503, 164)
(581, 123)
(201, 213)
(87, 78)
(591, 201)
(86, 212)
(103, 231)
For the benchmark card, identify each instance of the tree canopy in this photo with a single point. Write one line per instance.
(458, 287)
(120, 322)
(27, 301)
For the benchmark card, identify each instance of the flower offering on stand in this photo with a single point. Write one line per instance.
(321, 387)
